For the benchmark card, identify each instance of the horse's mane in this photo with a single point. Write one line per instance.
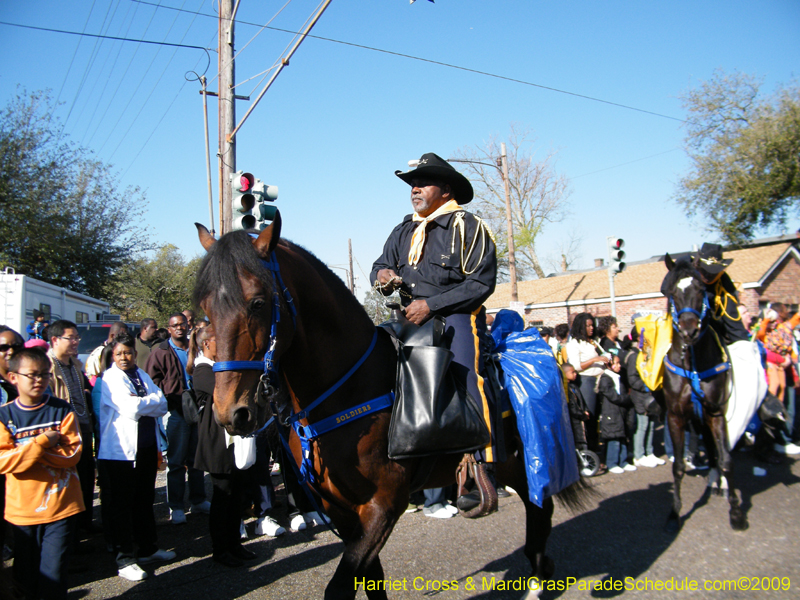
(683, 268)
(233, 254)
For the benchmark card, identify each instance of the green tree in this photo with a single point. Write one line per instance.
(157, 287)
(63, 217)
(745, 151)
(539, 196)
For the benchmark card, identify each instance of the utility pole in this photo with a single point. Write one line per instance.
(512, 263)
(350, 280)
(227, 112)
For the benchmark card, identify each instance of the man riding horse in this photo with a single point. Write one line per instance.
(749, 387)
(442, 260)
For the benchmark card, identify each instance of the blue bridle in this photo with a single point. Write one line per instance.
(693, 376)
(268, 365)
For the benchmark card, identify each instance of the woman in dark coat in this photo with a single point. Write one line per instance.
(215, 456)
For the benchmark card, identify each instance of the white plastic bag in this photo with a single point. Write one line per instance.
(244, 452)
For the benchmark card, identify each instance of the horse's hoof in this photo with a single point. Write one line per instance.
(739, 523)
(546, 568)
(673, 525)
(716, 491)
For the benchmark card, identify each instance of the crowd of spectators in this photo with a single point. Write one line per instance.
(114, 424)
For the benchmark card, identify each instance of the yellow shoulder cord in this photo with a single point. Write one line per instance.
(460, 227)
(721, 298)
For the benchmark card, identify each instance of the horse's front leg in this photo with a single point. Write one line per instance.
(725, 464)
(677, 427)
(364, 533)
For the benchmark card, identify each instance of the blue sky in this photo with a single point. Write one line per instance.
(341, 119)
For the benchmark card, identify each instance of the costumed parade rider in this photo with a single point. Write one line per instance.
(749, 381)
(442, 260)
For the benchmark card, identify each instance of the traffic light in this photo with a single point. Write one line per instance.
(264, 210)
(616, 256)
(243, 200)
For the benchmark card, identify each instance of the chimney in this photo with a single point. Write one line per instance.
(598, 262)
(564, 263)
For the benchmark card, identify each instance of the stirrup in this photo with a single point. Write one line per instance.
(482, 500)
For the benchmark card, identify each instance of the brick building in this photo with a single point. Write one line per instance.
(764, 271)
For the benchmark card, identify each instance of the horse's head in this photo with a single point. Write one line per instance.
(239, 295)
(685, 292)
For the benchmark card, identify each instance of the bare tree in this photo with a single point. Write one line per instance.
(566, 254)
(539, 195)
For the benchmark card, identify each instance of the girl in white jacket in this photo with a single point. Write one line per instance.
(130, 403)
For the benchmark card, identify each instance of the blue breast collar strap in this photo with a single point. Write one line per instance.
(694, 379)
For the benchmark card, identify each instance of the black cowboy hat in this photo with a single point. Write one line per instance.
(431, 165)
(709, 259)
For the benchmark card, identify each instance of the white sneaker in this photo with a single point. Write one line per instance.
(616, 470)
(243, 531)
(655, 460)
(177, 516)
(644, 462)
(203, 508)
(132, 572)
(672, 459)
(437, 511)
(451, 508)
(629, 467)
(269, 526)
(511, 490)
(298, 523)
(157, 556)
(787, 449)
(689, 464)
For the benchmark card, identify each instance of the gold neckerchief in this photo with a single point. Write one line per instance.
(418, 239)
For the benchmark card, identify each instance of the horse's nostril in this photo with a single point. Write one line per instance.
(241, 416)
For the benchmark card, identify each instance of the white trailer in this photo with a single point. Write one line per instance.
(20, 295)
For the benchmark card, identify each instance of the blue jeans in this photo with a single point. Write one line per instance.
(616, 453)
(40, 558)
(643, 438)
(182, 439)
(434, 496)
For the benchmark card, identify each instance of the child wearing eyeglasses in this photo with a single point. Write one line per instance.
(40, 445)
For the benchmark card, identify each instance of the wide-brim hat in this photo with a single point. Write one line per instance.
(432, 165)
(709, 259)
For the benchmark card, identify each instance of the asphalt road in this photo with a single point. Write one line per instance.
(621, 536)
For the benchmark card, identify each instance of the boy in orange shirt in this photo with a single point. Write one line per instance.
(40, 444)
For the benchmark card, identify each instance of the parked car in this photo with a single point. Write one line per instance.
(94, 334)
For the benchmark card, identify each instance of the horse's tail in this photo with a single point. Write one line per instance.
(576, 498)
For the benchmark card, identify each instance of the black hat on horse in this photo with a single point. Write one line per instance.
(434, 166)
(710, 262)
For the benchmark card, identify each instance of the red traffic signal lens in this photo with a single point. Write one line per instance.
(617, 243)
(246, 182)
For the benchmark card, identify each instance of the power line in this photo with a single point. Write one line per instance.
(105, 37)
(434, 62)
(630, 162)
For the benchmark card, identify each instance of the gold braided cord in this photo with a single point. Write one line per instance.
(721, 298)
(460, 226)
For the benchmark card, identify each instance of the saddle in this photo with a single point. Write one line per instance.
(433, 413)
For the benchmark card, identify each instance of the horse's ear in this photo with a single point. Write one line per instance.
(206, 239)
(268, 239)
(669, 262)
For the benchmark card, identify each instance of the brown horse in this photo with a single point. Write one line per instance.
(305, 320)
(696, 381)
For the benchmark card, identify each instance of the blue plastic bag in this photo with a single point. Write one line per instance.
(535, 388)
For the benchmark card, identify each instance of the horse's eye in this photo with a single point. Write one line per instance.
(257, 304)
